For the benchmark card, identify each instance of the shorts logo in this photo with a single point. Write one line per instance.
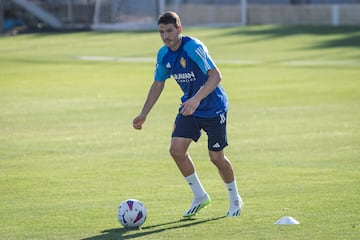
(222, 118)
(216, 145)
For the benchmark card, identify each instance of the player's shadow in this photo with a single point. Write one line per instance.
(119, 233)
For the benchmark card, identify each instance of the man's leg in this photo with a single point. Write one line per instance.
(226, 172)
(178, 151)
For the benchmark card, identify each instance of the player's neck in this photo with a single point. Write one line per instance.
(177, 45)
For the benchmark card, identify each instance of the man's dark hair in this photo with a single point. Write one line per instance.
(169, 17)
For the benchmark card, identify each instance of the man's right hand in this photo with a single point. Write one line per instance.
(138, 121)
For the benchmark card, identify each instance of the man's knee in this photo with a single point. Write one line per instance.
(175, 151)
(178, 147)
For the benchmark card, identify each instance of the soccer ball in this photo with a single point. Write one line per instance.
(131, 213)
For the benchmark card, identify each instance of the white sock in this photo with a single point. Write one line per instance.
(196, 187)
(234, 197)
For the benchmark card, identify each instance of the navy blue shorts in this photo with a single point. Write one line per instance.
(191, 126)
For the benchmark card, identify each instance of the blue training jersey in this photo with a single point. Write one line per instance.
(189, 65)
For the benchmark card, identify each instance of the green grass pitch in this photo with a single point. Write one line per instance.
(69, 155)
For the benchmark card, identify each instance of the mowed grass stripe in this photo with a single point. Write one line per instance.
(222, 61)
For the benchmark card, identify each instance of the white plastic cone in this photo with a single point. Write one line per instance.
(287, 220)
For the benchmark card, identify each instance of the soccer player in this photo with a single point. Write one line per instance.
(204, 107)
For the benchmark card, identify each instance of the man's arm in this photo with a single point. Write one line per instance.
(189, 107)
(153, 95)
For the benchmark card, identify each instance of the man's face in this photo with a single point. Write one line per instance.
(170, 35)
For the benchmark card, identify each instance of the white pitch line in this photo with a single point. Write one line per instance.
(322, 63)
(116, 59)
(238, 62)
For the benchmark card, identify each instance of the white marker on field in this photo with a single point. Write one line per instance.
(286, 221)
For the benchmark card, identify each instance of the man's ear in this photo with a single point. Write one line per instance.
(180, 29)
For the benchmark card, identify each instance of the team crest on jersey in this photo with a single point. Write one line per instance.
(183, 62)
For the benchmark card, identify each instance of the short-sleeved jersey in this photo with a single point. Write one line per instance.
(189, 66)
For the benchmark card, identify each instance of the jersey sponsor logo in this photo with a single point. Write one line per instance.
(183, 62)
(184, 77)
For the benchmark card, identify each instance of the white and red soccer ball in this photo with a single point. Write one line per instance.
(131, 213)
